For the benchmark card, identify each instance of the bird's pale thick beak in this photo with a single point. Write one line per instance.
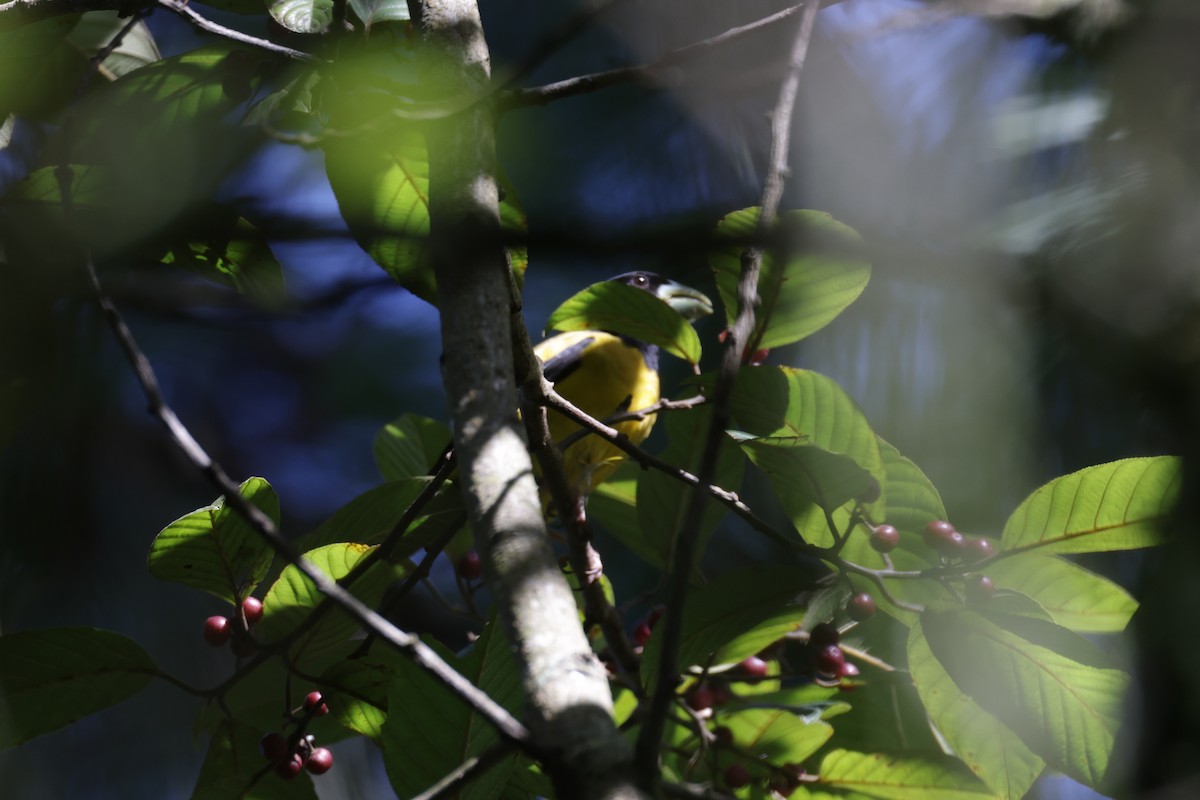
(690, 303)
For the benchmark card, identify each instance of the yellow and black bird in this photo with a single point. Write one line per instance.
(604, 374)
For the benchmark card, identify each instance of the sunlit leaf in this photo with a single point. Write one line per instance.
(809, 407)
(302, 16)
(985, 744)
(382, 187)
(808, 480)
(1075, 598)
(1051, 687)
(775, 735)
(409, 445)
(1115, 506)
(293, 597)
(823, 274)
(50, 678)
(378, 11)
(358, 690)
(872, 775)
(215, 549)
(619, 308)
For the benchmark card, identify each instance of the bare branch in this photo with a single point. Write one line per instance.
(203, 23)
(507, 725)
(683, 554)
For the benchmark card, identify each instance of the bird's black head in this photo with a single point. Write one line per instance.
(687, 301)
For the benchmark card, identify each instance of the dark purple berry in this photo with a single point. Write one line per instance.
(217, 630)
(978, 550)
(824, 634)
(273, 746)
(470, 566)
(829, 660)
(884, 539)
(290, 767)
(313, 700)
(319, 761)
(754, 666)
(736, 776)
(861, 607)
(252, 608)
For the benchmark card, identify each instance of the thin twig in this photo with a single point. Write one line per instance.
(582, 84)
(203, 23)
(508, 726)
(469, 769)
(683, 554)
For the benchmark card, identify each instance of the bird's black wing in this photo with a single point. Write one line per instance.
(562, 364)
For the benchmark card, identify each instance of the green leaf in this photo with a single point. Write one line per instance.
(735, 616)
(358, 690)
(662, 500)
(231, 764)
(985, 744)
(775, 735)
(51, 678)
(302, 16)
(371, 516)
(215, 549)
(614, 505)
(912, 502)
(430, 730)
(409, 445)
(377, 11)
(293, 597)
(1075, 598)
(233, 253)
(96, 29)
(1116, 506)
(808, 481)
(785, 402)
(1051, 687)
(874, 775)
(622, 309)
(809, 290)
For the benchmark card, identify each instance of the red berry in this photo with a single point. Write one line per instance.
(320, 761)
(829, 660)
(723, 736)
(641, 634)
(723, 335)
(978, 550)
(252, 608)
(470, 566)
(884, 539)
(217, 630)
(758, 357)
(313, 700)
(700, 698)
(941, 536)
(721, 696)
(736, 776)
(754, 666)
(290, 767)
(273, 746)
(848, 670)
(980, 588)
(824, 634)
(861, 607)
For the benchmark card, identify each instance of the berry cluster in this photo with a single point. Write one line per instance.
(235, 631)
(951, 546)
(828, 659)
(292, 754)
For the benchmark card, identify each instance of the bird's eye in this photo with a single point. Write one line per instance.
(640, 280)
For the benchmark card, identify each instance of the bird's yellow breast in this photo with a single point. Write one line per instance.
(608, 377)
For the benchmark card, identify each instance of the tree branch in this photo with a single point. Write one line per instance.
(181, 8)
(683, 554)
(507, 725)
